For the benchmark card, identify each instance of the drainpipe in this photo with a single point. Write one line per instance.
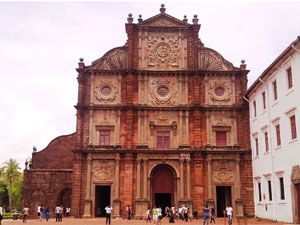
(271, 152)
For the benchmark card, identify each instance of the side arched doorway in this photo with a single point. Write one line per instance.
(64, 197)
(163, 186)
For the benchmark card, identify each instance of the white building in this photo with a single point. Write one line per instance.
(274, 100)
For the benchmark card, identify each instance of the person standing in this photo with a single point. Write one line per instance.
(229, 212)
(148, 216)
(47, 213)
(154, 214)
(108, 210)
(1, 214)
(128, 210)
(205, 215)
(68, 210)
(57, 213)
(185, 213)
(25, 213)
(212, 215)
(40, 212)
(159, 215)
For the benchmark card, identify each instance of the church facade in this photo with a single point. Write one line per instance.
(160, 121)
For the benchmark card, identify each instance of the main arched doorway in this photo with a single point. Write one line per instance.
(163, 186)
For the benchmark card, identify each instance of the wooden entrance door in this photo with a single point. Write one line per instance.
(163, 187)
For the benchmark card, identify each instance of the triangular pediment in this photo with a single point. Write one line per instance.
(163, 20)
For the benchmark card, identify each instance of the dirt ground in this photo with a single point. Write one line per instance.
(101, 221)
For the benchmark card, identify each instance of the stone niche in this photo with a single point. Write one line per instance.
(162, 50)
(219, 90)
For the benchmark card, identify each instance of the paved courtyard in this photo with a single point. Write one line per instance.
(101, 221)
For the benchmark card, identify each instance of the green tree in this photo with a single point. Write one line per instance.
(11, 174)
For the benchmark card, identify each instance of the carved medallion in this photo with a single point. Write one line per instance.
(223, 176)
(219, 92)
(163, 51)
(163, 92)
(105, 91)
(103, 170)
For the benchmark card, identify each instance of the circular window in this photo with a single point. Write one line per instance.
(106, 90)
(163, 91)
(219, 91)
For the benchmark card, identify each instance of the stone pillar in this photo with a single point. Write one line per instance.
(118, 125)
(210, 201)
(116, 201)
(181, 179)
(139, 128)
(188, 179)
(239, 202)
(88, 201)
(138, 179)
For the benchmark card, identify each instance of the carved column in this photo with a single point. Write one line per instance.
(138, 179)
(87, 202)
(116, 202)
(140, 94)
(145, 178)
(181, 179)
(180, 128)
(239, 202)
(188, 179)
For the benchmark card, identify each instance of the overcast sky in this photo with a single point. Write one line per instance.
(40, 44)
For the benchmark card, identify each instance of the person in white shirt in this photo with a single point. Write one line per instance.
(57, 213)
(1, 212)
(108, 210)
(229, 211)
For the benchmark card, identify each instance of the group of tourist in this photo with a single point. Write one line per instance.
(60, 211)
(210, 212)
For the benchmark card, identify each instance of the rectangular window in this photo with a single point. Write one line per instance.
(254, 108)
(278, 138)
(221, 138)
(104, 137)
(282, 196)
(293, 127)
(259, 191)
(275, 90)
(256, 147)
(289, 77)
(163, 139)
(270, 190)
(264, 100)
(267, 141)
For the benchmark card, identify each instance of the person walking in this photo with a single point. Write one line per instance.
(229, 212)
(47, 213)
(40, 212)
(108, 210)
(205, 215)
(25, 213)
(212, 215)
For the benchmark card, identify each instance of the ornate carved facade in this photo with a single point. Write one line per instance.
(161, 120)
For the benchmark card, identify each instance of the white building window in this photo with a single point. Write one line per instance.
(281, 186)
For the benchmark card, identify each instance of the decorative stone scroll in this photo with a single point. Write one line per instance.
(115, 59)
(103, 170)
(210, 60)
(163, 50)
